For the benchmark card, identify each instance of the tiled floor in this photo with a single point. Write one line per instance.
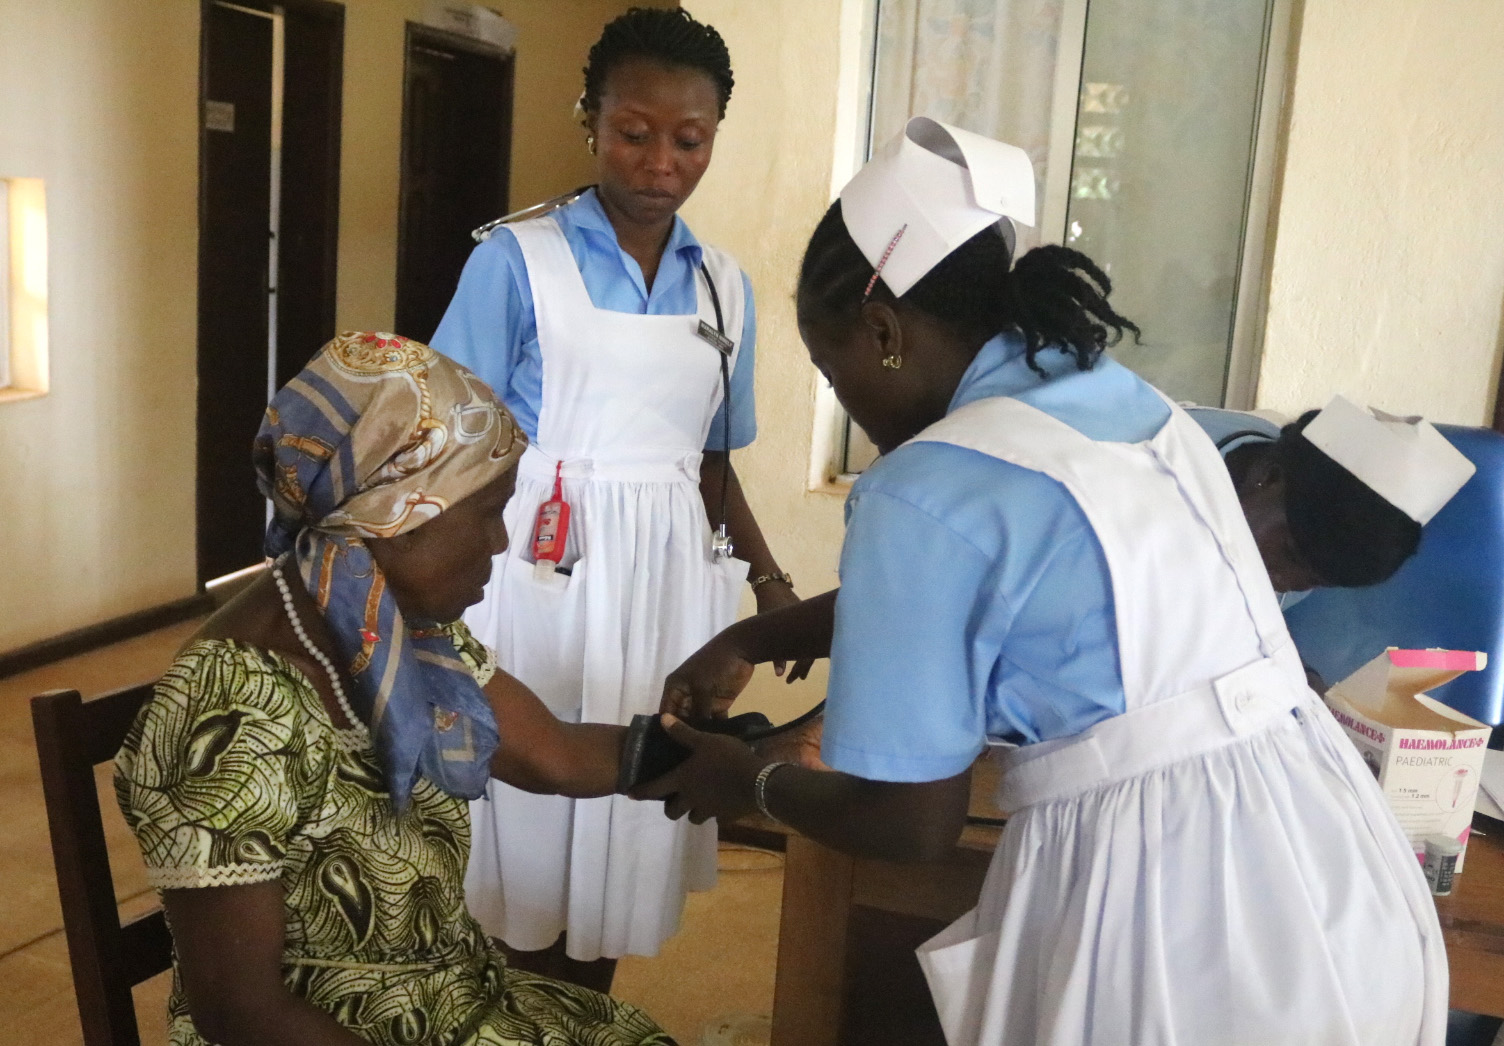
(720, 965)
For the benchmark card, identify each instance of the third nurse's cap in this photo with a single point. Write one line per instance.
(1403, 460)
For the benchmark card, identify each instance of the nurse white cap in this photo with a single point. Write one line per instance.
(930, 190)
(1403, 460)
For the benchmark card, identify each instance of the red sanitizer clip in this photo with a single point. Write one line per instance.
(552, 529)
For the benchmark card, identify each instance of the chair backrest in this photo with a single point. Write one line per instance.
(1450, 594)
(108, 959)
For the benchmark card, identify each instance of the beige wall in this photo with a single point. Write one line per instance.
(548, 146)
(767, 187)
(1396, 138)
(99, 98)
(1388, 275)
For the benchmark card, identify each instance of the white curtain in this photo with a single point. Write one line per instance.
(1163, 144)
(984, 65)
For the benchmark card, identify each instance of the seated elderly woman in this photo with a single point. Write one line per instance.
(299, 781)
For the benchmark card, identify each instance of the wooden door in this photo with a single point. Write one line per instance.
(235, 156)
(308, 229)
(254, 211)
(456, 156)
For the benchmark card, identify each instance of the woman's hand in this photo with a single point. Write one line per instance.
(775, 595)
(707, 683)
(717, 780)
(889, 820)
(800, 746)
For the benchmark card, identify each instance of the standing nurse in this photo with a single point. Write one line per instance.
(1051, 553)
(598, 325)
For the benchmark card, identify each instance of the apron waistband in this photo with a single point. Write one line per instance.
(1238, 705)
(642, 466)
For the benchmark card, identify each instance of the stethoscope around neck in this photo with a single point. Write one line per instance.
(720, 542)
(752, 726)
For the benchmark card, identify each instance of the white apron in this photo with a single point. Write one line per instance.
(627, 406)
(1216, 866)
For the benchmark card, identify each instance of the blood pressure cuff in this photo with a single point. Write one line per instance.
(648, 752)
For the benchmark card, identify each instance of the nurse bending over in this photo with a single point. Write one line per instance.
(1051, 553)
(1336, 498)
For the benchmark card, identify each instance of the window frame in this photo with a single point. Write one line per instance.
(830, 460)
(5, 287)
(23, 286)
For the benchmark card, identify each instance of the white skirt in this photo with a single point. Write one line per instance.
(595, 645)
(1255, 895)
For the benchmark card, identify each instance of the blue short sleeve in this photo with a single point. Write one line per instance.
(1231, 429)
(903, 705)
(489, 322)
(743, 395)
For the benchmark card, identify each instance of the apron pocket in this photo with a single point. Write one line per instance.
(957, 963)
(546, 640)
(727, 576)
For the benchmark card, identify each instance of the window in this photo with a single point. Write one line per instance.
(23, 288)
(5, 292)
(1152, 125)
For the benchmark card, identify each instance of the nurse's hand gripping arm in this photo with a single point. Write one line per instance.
(746, 537)
(709, 681)
(881, 819)
(541, 753)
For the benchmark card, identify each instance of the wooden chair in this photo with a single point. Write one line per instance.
(108, 959)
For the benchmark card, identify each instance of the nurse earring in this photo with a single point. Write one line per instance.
(893, 360)
(590, 143)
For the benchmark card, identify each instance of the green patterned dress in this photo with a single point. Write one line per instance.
(234, 773)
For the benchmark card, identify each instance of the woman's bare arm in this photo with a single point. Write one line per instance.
(541, 753)
(711, 678)
(228, 941)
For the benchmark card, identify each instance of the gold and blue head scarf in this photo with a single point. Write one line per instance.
(376, 436)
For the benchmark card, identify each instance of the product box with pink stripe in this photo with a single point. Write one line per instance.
(1427, 757)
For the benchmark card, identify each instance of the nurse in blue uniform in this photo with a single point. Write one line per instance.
(1318, 509)
(624, 346)
(1050, 554)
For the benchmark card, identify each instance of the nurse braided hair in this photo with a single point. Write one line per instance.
(1054, 296)
(669, 36)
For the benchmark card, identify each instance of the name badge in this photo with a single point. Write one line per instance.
(718, 341)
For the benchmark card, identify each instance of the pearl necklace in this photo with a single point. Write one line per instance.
(317, 654)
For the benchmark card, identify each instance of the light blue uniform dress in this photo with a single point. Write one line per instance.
(491, 326)
(1195, 852)
(1007, 626)
(1231, 429)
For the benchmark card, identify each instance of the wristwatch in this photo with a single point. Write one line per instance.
(786, 578)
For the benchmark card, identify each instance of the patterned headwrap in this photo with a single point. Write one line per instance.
(376, 436)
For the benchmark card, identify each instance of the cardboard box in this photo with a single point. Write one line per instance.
(1427, 757)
